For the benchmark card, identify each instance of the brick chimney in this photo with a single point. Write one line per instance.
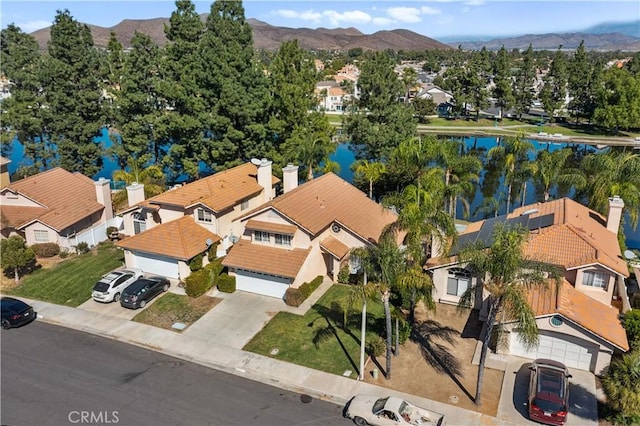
(289, 178)
(616, 204)
(264, 178)
(135, 193)
(103, 196)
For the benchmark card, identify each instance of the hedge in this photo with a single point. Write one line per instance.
(45, 249)
(226, 283)
(295, 296)
(198, 283)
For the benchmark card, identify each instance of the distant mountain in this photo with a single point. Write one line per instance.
(603, 42)
(629, 28)
(269, 37)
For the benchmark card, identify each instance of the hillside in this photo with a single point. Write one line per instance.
(270, 37)
(603, 42)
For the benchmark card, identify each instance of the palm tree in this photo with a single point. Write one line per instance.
(371, 170)
(621, 384)
(551, 169)
(514, 155)
(506, 275)
(152, 177)
(610, 174)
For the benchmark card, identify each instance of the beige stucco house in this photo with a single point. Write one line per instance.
(166, 231)
(307, 232)
(54, 206)
(577, 322)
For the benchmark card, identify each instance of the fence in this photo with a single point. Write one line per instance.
(94, 235)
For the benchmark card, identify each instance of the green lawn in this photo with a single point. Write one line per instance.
(71, 281)
(293, 335)
(171, 308)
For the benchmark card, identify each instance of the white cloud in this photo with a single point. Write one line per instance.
(31, 26)
(349, 17)
(410, 15)
(382, 22)
(426, 10)
(308, 15)
(474, 3)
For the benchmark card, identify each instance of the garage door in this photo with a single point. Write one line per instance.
(267, 285)
(558, 348)
(157, 265)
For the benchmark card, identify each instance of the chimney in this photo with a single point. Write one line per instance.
(289, 178)
(135, 193)
(616, 204)
(264, 178)
(103, 196)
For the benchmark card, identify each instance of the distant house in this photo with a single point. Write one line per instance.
(331, 96)
(167, 231)
(4, 172)
(308, 231)
(440, 97)
(577, 322)
(55, 207)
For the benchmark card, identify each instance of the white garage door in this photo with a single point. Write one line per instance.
(267, 285)
(570, 353)
(157, 265)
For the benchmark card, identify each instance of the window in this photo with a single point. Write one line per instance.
(41, 236)
(595, 279)
(139, 226)
(244, 205)
(261, 236)
(458, 281)
(283, 240)
(204, 215)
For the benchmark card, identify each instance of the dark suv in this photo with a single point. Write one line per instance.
(142, 290)
(549, 392)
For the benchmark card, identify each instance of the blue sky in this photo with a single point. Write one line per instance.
(434, 18)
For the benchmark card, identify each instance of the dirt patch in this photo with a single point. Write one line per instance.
(173, 308)
(436, 362)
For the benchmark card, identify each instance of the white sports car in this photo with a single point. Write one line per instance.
(377, 411)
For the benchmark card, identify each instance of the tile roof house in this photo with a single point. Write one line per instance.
(166, 231)
(307, 232)
(578, 325)
(54, 206)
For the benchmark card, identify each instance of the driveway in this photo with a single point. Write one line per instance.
(583, 408)
(235, 320)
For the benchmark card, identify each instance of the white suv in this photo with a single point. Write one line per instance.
(110, 286)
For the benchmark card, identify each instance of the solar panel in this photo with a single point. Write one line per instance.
(540, 222)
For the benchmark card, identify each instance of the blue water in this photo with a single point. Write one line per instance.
(345, 158)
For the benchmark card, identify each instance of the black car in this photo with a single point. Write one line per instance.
(142, 290)
(16, 313)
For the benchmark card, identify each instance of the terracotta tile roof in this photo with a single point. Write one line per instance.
(581, 309)
(277, 228)
(316, 204)
(218, 192)
(178, 239)
(66, 198)
(335, 247)
(14, 216)
(265, 259)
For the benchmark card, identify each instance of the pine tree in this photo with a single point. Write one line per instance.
(523, 85)
(502, 79)
(554, 91)
(71, 79)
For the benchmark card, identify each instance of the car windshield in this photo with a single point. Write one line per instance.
(548, 406)
(379, 405)
(405, 408)
(100, 286)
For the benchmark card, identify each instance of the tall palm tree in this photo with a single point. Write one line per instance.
(621, 384)
(371, 170)
(550, 169)
(514, 155)
(506, 275)
(613, 173)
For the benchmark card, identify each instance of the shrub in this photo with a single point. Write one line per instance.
(343, 275)
(631, 324)
(45, 249)
(376, 347)
(226, 283)
(64, 254)
(216, 268)
(82, 248)
(111, 230)
(195, 264)
(198, 283)
(293, 297)
(212, 252)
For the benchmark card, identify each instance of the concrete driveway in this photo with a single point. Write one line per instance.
(583, 407)
(234, 321)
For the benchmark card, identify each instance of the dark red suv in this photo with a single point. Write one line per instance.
(549, 392)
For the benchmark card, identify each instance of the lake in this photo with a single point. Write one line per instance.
(345, 158)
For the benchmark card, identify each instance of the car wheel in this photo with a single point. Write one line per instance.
(6, 324)
(143, 303)
(116, 297)
(360, 421)
(166, 287)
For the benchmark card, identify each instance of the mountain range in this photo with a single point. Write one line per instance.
(606, 37)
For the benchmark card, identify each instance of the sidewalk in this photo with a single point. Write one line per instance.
(210, 353)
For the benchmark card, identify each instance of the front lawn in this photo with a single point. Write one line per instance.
(172, 308)
(70, 282)
(293, 335)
